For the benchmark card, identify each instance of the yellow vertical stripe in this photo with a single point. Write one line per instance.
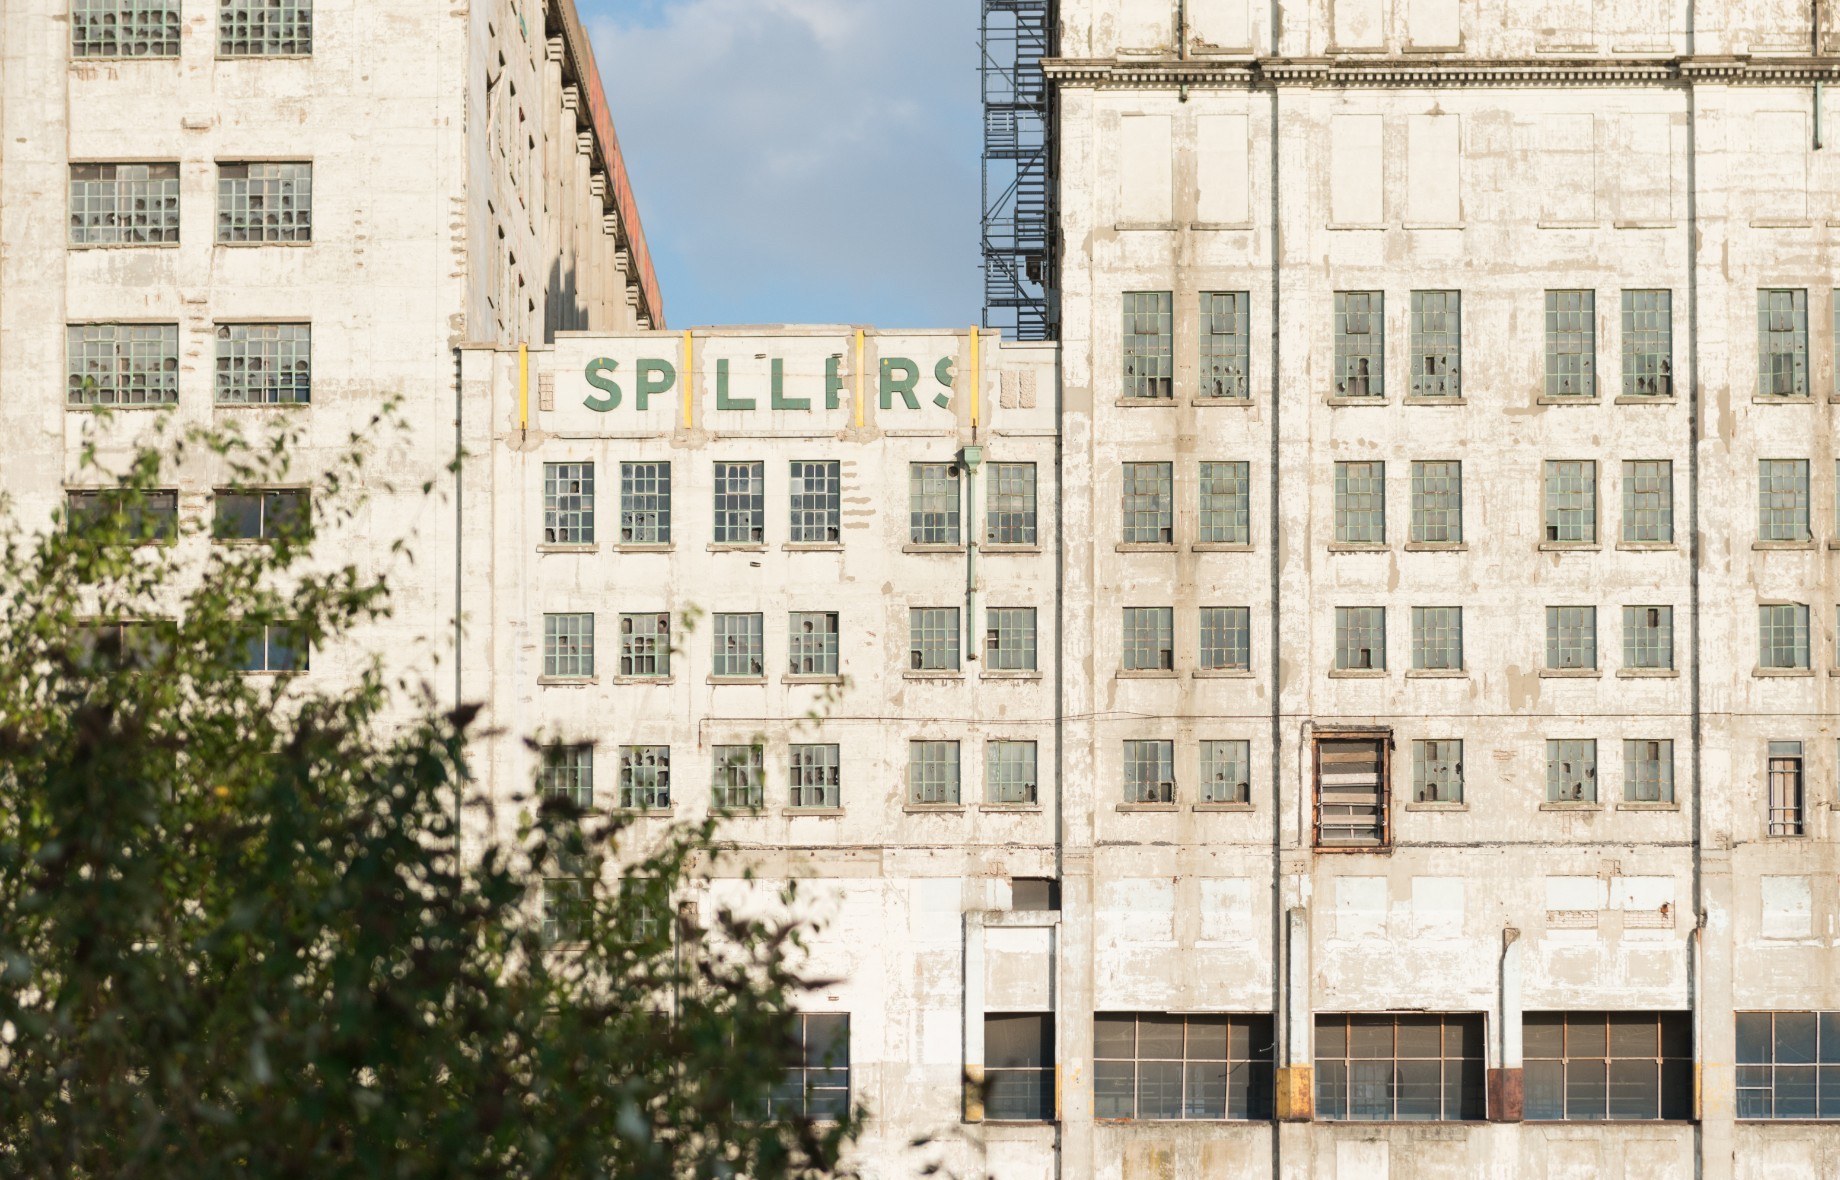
(688, 394)
(859, 378)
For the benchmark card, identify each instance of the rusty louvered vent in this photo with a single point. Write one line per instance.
(1352, 790)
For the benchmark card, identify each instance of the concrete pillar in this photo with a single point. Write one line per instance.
(1506, 1078)
(1296, 1080)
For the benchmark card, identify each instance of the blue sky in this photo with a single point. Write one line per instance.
(801, 161)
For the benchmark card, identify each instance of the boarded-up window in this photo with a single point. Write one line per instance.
(1145, 183)
(1357, 24)
(1433, 24)
(1220, 166)
(1434, 147)
(1645, 25)
(1355, 172)
(1352, 791)
(1564, 24)
(1219, 24)
(1641, 152)
(1778, 164)
(1567, 177)
(1147, 24)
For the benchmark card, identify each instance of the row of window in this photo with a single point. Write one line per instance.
(138, 204)
(739, 643)
(239, 514)
(138, 364)
(150, 28)
(1359, 329)
(275, 647)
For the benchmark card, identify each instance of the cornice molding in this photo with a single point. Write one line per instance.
(1243, 73)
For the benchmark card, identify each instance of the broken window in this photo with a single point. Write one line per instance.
(740, 779)
(932, 503)
(1360, 344)
(1148, 504)
(1437, 343)
(1571, 501)
(1226, 639)
(1648, 344)
(1019, 1067)
(264, 364)
(568, 503)
(815, 510)
(1010, 519)
(567, 772)
(1571, 770)
(1437, 770)
(645, 778)
(1416, 1068)
(1788, 1065)
(1226, 771)
(122, 364)
(1571, 344)
(129, 515)
(1149, 771)
(124, 28)
(811, 643)
(1571, 638)
(1360, 638)
(1648, 637)
(1149, 639)
(645, 503)
(1360, 503)
(264, 202)
(932, 640)
(1648, 771)
(738, 650)
(1160, 1066)
(264, 28)
(1782, 500)
(1225, 345)
(566, 907)
(1149, 344)
(645, 645)
(1010, 773)
(1648, 502)
(1615, 1066)
(1226, 505)
(1437, 638)
(1009, 639)
(1353, 790)
(568, 645)
(816, 775)
(1782, 343)
(124, 204)
(1783, 636)
(1437, 503)
(932, 772)
(1786, 782)
(741, 503)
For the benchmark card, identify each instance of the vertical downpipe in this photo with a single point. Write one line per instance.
(459, 586)
(1694, 967)
(1280, 1052)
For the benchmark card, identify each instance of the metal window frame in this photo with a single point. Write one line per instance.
(645, 778)
(1149, 634)
(740, 508)
(1010, 639)
(264, 28)
(1648, 766)
(1360, 501)
(812, 643)
(1648, 343)
(1449, 1028)
(738, 772)
(814, 774)
(1148, 345)
(1647, 645)
(1257, 1068)
(568, 503)
(645, 502)
(1437, 769)
(1218, 760)
(124, 28)
(1783, 511)
(1149, 770)
(1010, 517)
(1782, 342)
(1570, 499)
(1226, 346)
(815, 502)
(1648, 501)
(935, 773)
(566, 902)
(1382, 738)
(738, 645)
(1583, 752)
(1571, 638)
(1786, 789)
(1437, 639)
(1775, 620)
(1360, 345)
(121, 364)
(264, 201)
(1748, 1071)
(934, 504)
(562, 629)
(1225, 639)
(124, 204)
(1571, 344)
(645, 643)
(1355, 626)
(932, 647)
(1147, 503)
(1012, 772)
(1224, 500)
(1604, 1061)
(1437, 344)
(1437, 502)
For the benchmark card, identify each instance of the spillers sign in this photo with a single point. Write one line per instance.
(899, 380)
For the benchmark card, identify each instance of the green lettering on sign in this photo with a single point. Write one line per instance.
(778, 384)
(655, 376)
(723, 401)
(600, 376)
(903, 384)
(833, 381)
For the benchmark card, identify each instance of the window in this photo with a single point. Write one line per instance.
(1648, 502)
(1571, 344)
(1226, 639)
(1360, 638)
(932, 501)
(818, 1085)
(645, 503)
(1149, 772)
(1788, 1065)
(1226, 505)
(276, 647)
(1154, 1066)
(1009, 639)
(812, 643)
(1782, 500)
(124, 204)
(645, 778)
(264, 203)
(932, 643)
(124, 28)
(816, 513)
(739, 647)
(1226, 772)
(1035, 894)
(1783, 636)
(1648, 637)
(264, 364)
(1384, 1069)
(1648, 344)
(1353, 791)
(740, 778)
(568, 646)
(1011, 517)
(1785, 789)
(121, 646)
(264, 28)
(1225, 345)
(566, 908)
(1617, 1066)
(136, 517)
(645, 645)
(1360, 503)
(1437, 638)
(1149, 344)
(1437, 343)
(1149, 509)
(1019, 1067)
(1149, 643)
(1782, 343)
(741, 504)
(122, 364)
(815, 772)
(1009, 773)
(1571, 638)
(1437, 771)
(568, 773)
(1648, 771)
(1360, 344)
(568, 503)
(1437, 503)
(1571, 502)
(932, 772)
(262, 515)
(1571, 770)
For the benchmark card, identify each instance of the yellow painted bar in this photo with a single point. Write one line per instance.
(523, 387)
(859, 378)
(689, 389)
(974, 375)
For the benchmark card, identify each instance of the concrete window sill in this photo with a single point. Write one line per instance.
(1759, 399)
(1359, 547)
(1166, 403)
(1146, 547)
(1233, 547)
(1358, 674)
(1222, 674)
(640, 812)
(589, 548)
(1647, 223)
(1629, 805)
(737, 680)
(1436, 401)
(566, 681)
(993, 547)
(1781, 672)
(1163, 226)
(737, 547)
(1452, 806)
(643, 680)
(813, 547)
(1231, 808)
(933, 808)
(1630, 399)
(1545, 400)
(145, 407)
(1433, 225)
(813, 812)
(264, 406)
(1352, 227)
(1011, 808)
(1648, 673)
(791, 678)
(933, 674)
(84, 247)
(1781, 223)
(1154, 807)
(1147, 674)
(1570, 547)
(1647, 547)
(1234, 403)
(1565, 224)
(1834, 544)
(1582, 805)
(1571, 673)
(1370, 402)
(1438, 674)
(923, 549)
(254, 245)
(1437, 547)
(1765, 546)
(1224, 226)
(1018, 674)
(666, 547)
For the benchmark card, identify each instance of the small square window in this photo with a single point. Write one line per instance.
(568, 646)
(740, 779)
(1010, 772)
(1226, 771)
(1149, 772)
(932, 772)
(816, 775)
(645, 645)
(1009, 639)
(1149, 643)
(1648, 771)
(264, 202)
(812, 643)
(1437, 771)
(1571, 771)
(933, 639)
(739, 646)
(1360, 638)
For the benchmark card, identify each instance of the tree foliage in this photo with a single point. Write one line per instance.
(235, 938)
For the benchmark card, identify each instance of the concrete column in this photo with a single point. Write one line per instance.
(1506, 1078)
(1714, 1022)
(974, 1016)
(1296, 1097)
